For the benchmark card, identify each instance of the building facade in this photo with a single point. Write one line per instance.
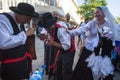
(41, 6)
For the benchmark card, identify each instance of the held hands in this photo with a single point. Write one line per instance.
(43, 36)
(68, 31)
(49, 42)
(30, 32)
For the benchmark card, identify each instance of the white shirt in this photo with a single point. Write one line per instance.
(118, 29)
(68, 25)
(8, 40)
(93, 38)
(64, 38)
(83, 35)
(62, 24)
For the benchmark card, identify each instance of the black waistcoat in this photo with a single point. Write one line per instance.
(15, 52)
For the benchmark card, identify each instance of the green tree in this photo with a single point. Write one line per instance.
(87, 8)
(118, 19)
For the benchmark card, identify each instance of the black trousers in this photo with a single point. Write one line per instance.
(64, 66)
(46, 56)
(16, 71)
(49, 59)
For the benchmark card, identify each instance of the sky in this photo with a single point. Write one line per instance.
(113, 6)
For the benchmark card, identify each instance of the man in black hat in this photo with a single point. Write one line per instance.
(15, 60)
(62, 47)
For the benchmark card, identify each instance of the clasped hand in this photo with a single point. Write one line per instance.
(30, 31)
(49, 42)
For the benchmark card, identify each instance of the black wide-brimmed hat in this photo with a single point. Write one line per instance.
(25, 9)
(48, 20)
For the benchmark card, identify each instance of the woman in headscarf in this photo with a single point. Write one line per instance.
(99, 42)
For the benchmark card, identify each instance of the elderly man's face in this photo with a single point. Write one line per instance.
(67, 17)
(22, 19)
(55, 14)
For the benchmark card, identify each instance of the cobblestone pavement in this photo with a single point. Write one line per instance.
(40, 58)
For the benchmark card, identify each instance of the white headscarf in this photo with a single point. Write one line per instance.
(111, 21)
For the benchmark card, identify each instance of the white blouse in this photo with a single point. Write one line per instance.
(92, 39)
(64, 38)
(7, 39)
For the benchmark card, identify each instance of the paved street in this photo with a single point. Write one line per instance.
(39, 45)
(40, 58)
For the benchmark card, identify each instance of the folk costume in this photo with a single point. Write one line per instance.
(97, 51)
(62, 59)
(15, 60)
